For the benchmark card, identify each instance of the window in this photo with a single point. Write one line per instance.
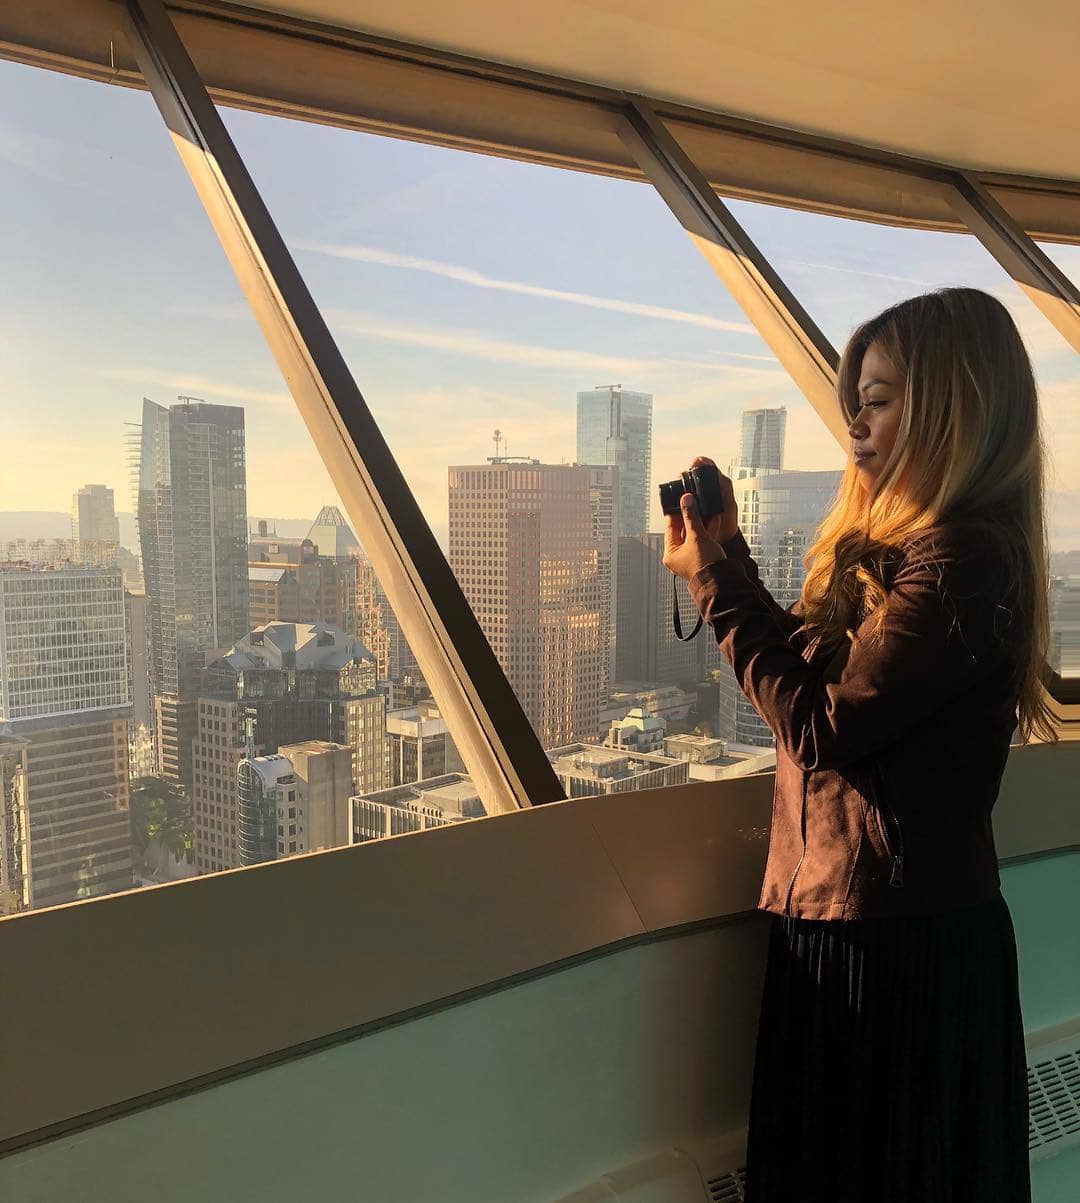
(497, 313)
(130, 349)
(844, 271)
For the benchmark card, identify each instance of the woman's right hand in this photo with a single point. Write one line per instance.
(725, 526)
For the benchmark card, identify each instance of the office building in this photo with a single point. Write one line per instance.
(779, 514)
(64, 711)
(1064, 657)
(762, 434)
(637, 732)
(284, 683)
(585, 770)
(332, 535)
(192, 513)
(296, 800)
(528, 547)
(420, 806)
(141, 726)
(614, 426)
(647, 648)
(268, 547)
(313, 588)
(378, 628)
(419, 744)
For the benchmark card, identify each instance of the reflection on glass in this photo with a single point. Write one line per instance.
(844, 271)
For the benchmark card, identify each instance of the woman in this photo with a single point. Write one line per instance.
(890, 1056)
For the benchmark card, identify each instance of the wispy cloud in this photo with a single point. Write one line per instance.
(189, 384)
(534, 355)
(480, 346)
(467, 275)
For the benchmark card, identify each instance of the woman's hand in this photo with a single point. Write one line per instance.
(688, 544)
(724, 526)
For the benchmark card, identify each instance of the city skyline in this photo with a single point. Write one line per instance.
(440, 302)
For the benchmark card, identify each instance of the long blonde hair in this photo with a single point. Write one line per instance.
(968, 448)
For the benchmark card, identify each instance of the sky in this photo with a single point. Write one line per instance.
(467, 293)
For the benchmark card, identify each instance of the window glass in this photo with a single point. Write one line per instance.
(148, 437)
(1066, 256)
(519, 332)
(845, 271)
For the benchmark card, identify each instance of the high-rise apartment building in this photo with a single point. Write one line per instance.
(64, 710)
(192, 512)
(761, 442)
(95, 529)
(533, 560)
(288, 682)
(614, 426)
(296, 800)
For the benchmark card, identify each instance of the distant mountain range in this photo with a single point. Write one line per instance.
(54, 524)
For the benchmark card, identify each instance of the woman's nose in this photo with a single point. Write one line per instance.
(857, 427)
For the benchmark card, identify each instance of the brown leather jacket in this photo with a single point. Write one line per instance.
(889, 755)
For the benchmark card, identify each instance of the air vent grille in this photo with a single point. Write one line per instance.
(1054, 1103)
(728, 1188)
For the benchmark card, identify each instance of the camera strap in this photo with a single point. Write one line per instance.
(677, 621)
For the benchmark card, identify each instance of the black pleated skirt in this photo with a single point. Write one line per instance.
(890, 1062)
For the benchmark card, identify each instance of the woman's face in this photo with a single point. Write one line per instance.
(881, 401)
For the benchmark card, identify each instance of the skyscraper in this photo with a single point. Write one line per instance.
(761, 442)
(192, 511)
(292, 682)
(531, 548)
(378, 627)
(64, 709)
(779, 514)
(332, 535)
(647, 648)
(315, 588)
(614, 426)
(95, 529)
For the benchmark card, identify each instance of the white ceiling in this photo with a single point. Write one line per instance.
(991, 84)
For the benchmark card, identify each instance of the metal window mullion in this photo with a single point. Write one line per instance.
(793, 336)
(1044, 283)
(484, 717)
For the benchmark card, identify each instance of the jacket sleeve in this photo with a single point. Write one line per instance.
(790, 619)
(943, 632)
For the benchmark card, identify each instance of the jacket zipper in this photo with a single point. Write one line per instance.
(883, 810)
(802, 854)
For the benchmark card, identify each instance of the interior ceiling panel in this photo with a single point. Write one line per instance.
(992, 86)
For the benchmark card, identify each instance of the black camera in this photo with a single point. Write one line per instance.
(703, 483)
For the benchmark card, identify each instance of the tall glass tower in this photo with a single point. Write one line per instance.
(614, 426)
(761, 443)
(192, 510)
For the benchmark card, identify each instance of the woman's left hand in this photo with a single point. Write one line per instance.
(688, 546)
